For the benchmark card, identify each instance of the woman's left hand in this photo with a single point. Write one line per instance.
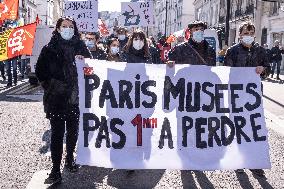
(80, 57)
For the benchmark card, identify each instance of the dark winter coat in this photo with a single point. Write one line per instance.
(184, 54)
(155, 54)
(122, 43)
(56, 70)
(135, 56)
(99, 54)
(276, 54)
(269, 55)
(241, 56)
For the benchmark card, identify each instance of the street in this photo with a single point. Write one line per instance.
(25, 157)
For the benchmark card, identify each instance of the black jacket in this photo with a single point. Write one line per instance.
(276, 54)
(56, 71)
(155, 54)
(99, 54)
(241, 56)
(134, 56)
(184, 54)
(122, 43)
(269, 55)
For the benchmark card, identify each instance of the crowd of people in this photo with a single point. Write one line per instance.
(56, 70)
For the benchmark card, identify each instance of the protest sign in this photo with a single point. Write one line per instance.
(144, 116)
(210, 35)
(17, 41)
(85, 14)
(135, 14)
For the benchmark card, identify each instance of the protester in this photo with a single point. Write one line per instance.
(91, 40)
(11, 63)
(24, 62)
(155, 53)
(268, 53)
(113, 50)
(247, 54)
(136, 50)
(196, 51)
(122, 37)
(164, 48)
(57, 73)
(276, 52)
(2, 70)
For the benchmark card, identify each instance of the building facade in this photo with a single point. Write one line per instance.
(27, 11)
(172, 16)
(266, 15)
(45, 11)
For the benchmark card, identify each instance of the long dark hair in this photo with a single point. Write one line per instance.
(109, 42)
(59, 22)
(141, 35)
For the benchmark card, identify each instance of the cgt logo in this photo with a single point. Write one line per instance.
(16, 42)
(139, 122)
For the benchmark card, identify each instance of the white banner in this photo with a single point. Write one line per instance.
(136, 14)
(85, 14)
(145, 116)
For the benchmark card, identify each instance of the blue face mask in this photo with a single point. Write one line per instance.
(67, 33)
(114, 50)
(90, 44)
(198, 36)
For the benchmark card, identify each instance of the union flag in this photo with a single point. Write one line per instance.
(9, 10)
(17, 41)
(103, 28)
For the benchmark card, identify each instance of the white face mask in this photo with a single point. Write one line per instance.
(138, 44)
(248, 40)
(114, 50)
(67, 33)
(121, 37)
(198, 36)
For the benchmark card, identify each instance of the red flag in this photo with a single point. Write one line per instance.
(102, 27)
(37, 19)
(171, 39)
(17, 41)
(9, 10)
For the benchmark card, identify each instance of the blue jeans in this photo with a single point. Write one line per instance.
(24, 63)
(12, 63)
(2, 69)
(274, 64)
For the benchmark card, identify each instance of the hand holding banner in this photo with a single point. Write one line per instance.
(143, 116)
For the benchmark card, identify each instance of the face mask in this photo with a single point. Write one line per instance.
(198, 36)
(114, 50)
(67, 33)
(248, 39)
(90, 44)
(138, 44)
(121, 37)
